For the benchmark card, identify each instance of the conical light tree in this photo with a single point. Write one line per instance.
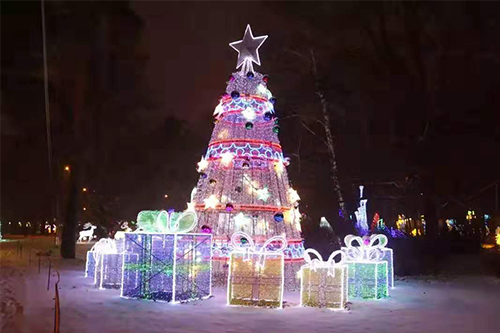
(243, 184)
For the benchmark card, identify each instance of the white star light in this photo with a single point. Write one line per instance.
(263, 194)
(241, 220)
(293, 195)
(226, 158)
(248, 49)
(190, 207)
(202, 164)
(248, 113)
(211, 202)
(218, 110)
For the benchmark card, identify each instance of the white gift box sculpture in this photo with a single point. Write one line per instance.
(104, 264)
(256, 276)
(368, 273)
(324, 283)
(170, 266)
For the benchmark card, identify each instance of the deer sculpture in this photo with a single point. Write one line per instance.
(89, 234)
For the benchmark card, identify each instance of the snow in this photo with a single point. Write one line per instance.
(452, 304)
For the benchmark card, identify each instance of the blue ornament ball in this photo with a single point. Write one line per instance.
(250, 75)
(272, 100)
(278, 217)
(268, 116)
(235, 95)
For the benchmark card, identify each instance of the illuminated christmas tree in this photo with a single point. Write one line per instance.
(243, 184)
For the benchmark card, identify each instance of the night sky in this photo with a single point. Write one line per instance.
(377, 108)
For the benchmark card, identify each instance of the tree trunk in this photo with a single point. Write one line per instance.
(68, 244)
(329, 142)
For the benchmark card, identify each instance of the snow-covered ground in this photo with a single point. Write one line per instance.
(457, 304)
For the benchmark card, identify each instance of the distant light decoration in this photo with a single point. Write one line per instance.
(241, 220)
(497, 235)
(263, 194)
(360, 213)
(167, 267)
(324, 283)
(470, 215)
(226, 158)
(256, 276)
(451, 224)
(66, 168)
(84, 189)
(249, 114)
(369, 274)
(202, 164)
(211, 202)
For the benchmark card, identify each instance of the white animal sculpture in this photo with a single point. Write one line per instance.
(89, 234)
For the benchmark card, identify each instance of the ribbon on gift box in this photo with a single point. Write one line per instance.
(250, 248)
(318, 262)
(103, 246)
(166, 222)
(367, 249)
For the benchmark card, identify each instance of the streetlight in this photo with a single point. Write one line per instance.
(84, 208)
(166, 196)
(84, 189)
(66, 168)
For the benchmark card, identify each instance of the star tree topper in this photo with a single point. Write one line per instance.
(248, 50)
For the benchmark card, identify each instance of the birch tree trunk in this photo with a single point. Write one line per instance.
(334, 172)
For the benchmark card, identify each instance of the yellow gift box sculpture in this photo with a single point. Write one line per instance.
(256, 276)
(324, 283)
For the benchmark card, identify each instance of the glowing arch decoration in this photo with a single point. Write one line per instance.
(324, 283)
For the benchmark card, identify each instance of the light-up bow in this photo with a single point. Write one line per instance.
(368, 249)
(166, 222)
(250, 248)
(318, 262)
(103, 246)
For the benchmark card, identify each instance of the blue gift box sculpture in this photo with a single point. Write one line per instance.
(171, 265)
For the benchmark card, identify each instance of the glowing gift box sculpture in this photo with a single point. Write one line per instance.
(368, 276)
(323, 283)
(256, 277)
(172, 266)
(379, 241)
(104, 264)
